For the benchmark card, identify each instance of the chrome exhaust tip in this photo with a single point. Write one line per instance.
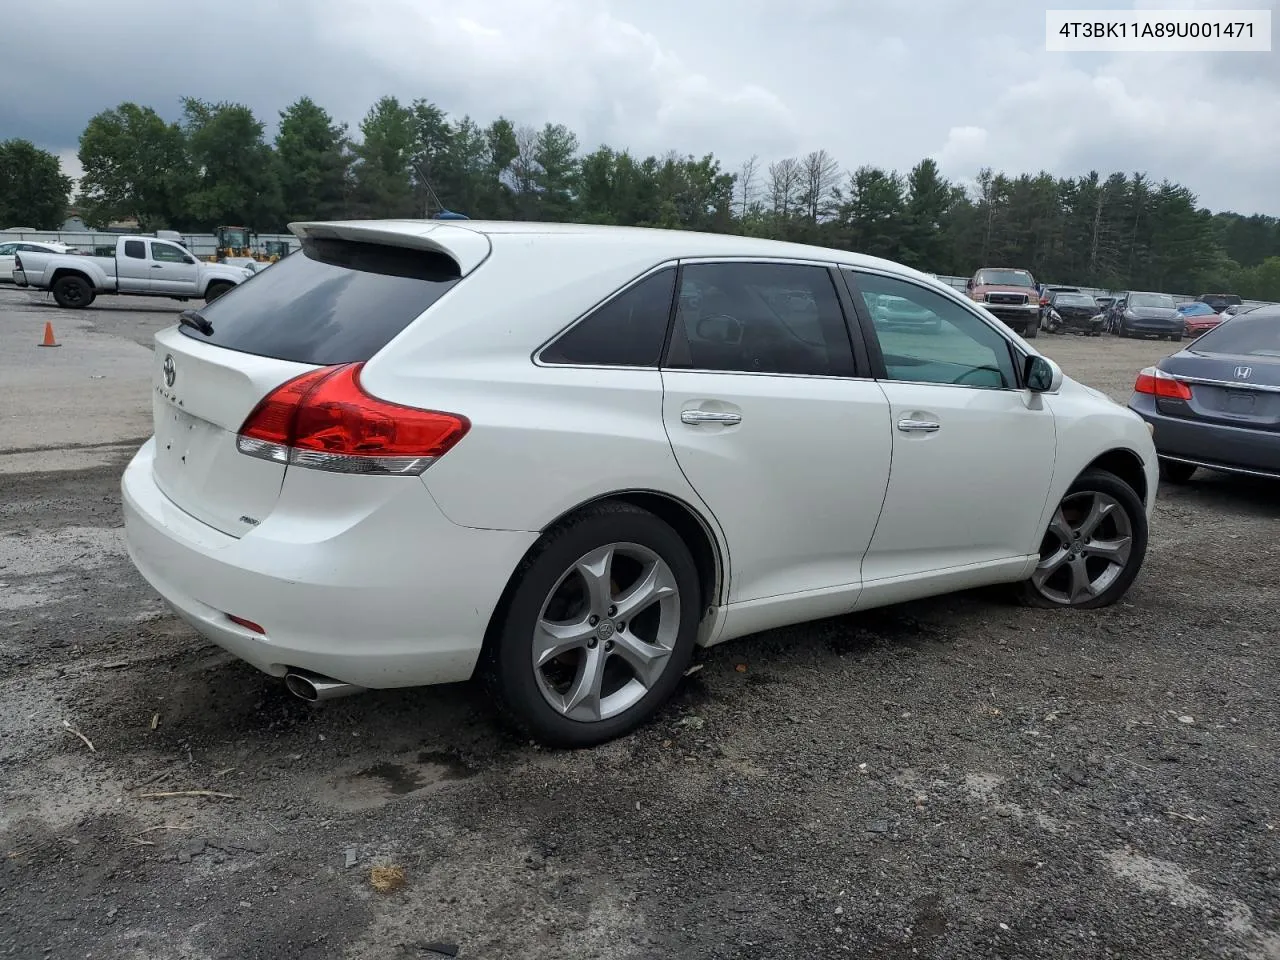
(313, 687)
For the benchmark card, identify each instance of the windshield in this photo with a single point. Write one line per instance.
(1161, 300)
(1074, 300)
(1195, 309)
(1252, 334)
(1006, 278)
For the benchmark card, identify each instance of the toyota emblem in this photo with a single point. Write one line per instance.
(170, 370)
(1244, 373)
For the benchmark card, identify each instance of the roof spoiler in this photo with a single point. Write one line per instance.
(467, 248)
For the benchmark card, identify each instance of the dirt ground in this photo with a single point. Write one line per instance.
(957, 778)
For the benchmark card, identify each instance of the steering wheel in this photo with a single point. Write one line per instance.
(985, 369)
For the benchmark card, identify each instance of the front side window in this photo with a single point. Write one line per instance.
(926, 337)
(625, 331)
(167, 254)
(778, 318)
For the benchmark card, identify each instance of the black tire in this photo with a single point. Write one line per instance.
(1112, 488)
(215, 290)
(1176, 338)
(507, 667)
(73, 292)
(1033, 328)
(1176, 472)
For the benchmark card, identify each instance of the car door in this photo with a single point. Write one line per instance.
(8, 255)
(777, 426)
(973, 451)
(133, 268)
(174, 271)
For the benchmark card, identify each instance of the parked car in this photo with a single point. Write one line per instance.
(9, 254)
(1074, 313)
(899, 312)
(1219, 301)
(1104, 304)
(1010, 295)
(1198, 317)
(140, 266)
(1143, 314)
(560, 456)
(1216, 402)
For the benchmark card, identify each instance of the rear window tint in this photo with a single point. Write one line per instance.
(333, 301)
(1254, 334)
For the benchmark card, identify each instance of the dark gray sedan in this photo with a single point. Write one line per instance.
(1216, 403)
(1140, 314)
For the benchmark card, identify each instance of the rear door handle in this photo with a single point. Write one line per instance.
(919, 426)
(695, 417)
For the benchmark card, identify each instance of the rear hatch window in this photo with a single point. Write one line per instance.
(333, 301)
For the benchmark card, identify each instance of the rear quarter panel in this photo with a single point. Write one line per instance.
(544, 438)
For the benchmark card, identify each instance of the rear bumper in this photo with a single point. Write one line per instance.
(385, 594)
(1216, 446)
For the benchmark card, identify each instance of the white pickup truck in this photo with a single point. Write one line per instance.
(141, 266)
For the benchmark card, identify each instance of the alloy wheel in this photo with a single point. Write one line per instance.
(1085, 550)
(606, 632)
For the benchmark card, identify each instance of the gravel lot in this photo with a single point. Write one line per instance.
(954, 778)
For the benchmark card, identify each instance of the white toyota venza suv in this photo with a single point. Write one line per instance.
(560, 456)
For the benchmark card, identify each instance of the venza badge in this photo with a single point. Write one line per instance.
(170, 370)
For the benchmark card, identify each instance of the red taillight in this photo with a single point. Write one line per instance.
(1044, 301)
(325, 421)
(1157, 383)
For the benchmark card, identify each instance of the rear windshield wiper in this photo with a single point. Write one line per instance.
(193, 318)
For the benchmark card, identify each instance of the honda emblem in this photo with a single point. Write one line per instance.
(1244, 373)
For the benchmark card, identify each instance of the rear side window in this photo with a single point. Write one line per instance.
(626, 331)
(135, 249)
(334, 301)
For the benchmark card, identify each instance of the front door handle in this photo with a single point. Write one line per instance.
(695, 417)
(157, 266)
(919, 426)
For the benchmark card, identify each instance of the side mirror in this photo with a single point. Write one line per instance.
(968, 284)
(1041, 375)
(719, 328)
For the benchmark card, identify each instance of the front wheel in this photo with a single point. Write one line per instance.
(1094, 547)
(1032, 329)
(598, 630)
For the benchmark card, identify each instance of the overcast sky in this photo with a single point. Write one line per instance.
(884, 82)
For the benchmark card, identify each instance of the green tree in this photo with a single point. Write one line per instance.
(314, 163)
(33, 188)
(237, 176)
(384, 185)
(555, 171)
(929, 198)
(872, 215)
(136, 166)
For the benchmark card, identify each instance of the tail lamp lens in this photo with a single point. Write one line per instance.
(324, 420)
(1155, 382)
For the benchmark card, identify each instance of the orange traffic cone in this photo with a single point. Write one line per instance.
(48, 336)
